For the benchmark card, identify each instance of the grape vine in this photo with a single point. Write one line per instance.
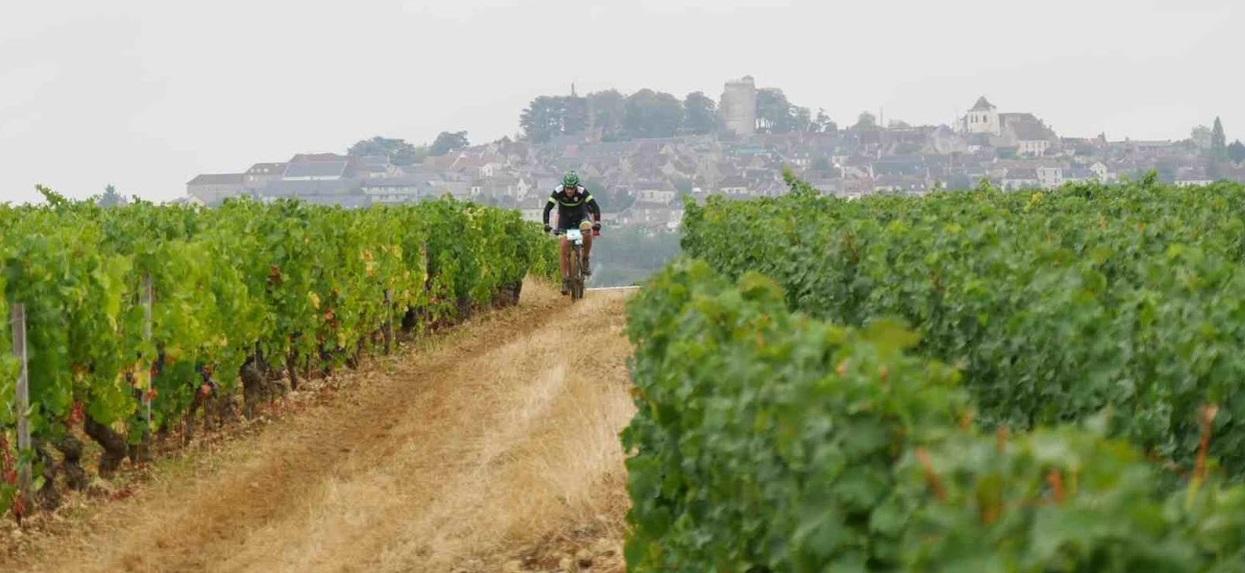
(242, 294)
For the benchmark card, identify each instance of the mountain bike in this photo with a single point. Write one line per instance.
(576, 268)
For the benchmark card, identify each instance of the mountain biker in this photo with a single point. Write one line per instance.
(574, 204)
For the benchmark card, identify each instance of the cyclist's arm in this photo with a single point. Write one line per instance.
(548, 208)
(593, 208)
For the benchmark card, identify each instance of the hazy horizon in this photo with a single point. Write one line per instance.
(146, 95)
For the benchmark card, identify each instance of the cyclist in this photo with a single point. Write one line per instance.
(574, 204)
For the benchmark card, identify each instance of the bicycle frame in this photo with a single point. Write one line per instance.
(576, 271)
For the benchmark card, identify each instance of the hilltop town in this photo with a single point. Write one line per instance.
(640, 181)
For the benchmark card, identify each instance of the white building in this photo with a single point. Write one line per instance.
(212, 188)
(394, 190)
(1023, 178)
(1050, 177)
(1032, 147)
(982, 118)
(657, 196)
(1102, 172)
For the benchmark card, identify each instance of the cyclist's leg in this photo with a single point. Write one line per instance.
(587, 261)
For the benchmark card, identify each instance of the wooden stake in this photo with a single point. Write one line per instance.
(23, 403)
(148, 302)
(388, 321)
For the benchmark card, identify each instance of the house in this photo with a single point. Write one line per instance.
(676, 219)
(372, 166)
(315, 171)
(770, 188)
(1031, 137)
(900, 184)
(213, 188)
(856, 188)
(651, 216)
(357, 201)
(1049, 177)
(523, 187)
(258, 176)
(1193, 177)
(491, 169)
(311, 190)
(302, 157)
(907, 165)
(391, 190)
(187, 201)
(658, 196)
(1079, 175)
(986, 127)
(460, 190)
(499, 187)
(1021, 178)
(1193, 182)
(1101, 171)
(827, 186)
(735, 186)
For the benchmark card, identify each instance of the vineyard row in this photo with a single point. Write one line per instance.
(140, 318)
(765, 440)
(1057, 305)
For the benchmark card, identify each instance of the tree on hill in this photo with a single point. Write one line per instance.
(1201, 137)
(110, 198)
(823, 123)
(1236, 151)
(607, 110)
(866, 120)
(775, 114)
(611, 116)
(1218, 141)
(550, 116)
(449, 141)
(541, 121)
(652, 114)
(398, 151)
(574, 115)
(700, 114)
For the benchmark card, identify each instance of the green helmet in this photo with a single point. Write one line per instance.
(570, 180)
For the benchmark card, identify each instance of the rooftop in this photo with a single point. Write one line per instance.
(315, 169)
(982, 105)
(217, 179)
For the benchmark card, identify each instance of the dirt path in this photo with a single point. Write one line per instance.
(498, 444)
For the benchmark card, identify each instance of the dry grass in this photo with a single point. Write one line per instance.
(499, 444)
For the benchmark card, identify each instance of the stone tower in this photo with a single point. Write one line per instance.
(739, 106)
(982, 118)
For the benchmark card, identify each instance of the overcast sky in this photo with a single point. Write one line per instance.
(145, 94)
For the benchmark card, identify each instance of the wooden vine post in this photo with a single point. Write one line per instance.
(388, 321)
(148, 295)
(23, 405)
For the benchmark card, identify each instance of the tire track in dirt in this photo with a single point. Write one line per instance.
(461, 458)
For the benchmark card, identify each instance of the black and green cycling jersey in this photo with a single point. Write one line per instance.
(572, 209)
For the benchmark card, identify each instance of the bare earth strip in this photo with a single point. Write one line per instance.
(496, 450)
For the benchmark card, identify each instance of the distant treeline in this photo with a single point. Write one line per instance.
(400, 152)
(646, 114)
